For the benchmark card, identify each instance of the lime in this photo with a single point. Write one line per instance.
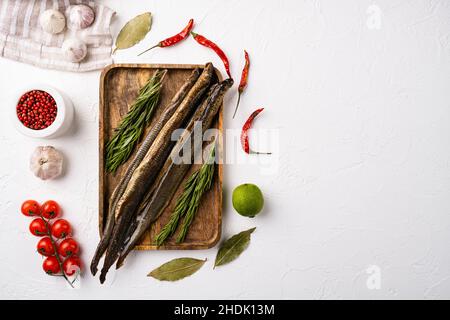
(248, 200)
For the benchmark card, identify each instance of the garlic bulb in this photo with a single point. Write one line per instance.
(74, 49)
(79, 17)
(52, 21)
(46, 162)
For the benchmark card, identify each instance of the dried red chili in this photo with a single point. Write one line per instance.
(174, 39)
(243, 83)
(244, 134)
(209, 44)
(36, 109)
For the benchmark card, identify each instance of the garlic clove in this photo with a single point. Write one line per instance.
(52, 21)
(74, 49)
(46, 162)
(80, 17)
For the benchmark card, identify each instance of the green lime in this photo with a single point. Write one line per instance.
(248, 200)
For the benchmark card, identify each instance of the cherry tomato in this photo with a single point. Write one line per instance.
(50, 209)
(45, 247)
(51, 265)
(30, 208)
(61, 229)
(71, 265)
(68, 247)
(38, 227)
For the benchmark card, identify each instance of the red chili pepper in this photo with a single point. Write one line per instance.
(175, 39)
(209, 44)
(244, 78)
(244, 133)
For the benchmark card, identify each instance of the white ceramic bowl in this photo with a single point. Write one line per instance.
(64, 115)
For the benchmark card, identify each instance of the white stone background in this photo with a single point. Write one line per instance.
(359, 94)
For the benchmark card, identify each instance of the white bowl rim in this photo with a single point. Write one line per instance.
(60, 115)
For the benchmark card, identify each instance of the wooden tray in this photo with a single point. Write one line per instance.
(119, 86)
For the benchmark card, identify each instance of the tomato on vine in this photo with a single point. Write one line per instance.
(60, 259)
(68, 247)
(45, 247)
(61, 228)
(50, 209)
(38, 227)
(30, 208)
(51, 265)
(71, 265)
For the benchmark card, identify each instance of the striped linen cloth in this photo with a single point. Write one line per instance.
(22, 38)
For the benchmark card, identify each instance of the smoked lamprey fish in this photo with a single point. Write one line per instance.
(174, 173)
(196, 115)
(144, 175)
(144, 206)
(118, 191)
(166, 167)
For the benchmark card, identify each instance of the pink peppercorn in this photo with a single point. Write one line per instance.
(36, 109)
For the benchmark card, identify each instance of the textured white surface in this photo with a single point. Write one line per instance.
(359, 93)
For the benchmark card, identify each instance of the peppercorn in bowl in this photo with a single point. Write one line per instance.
(41, 111)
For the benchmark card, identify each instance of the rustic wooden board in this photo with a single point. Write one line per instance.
(119, 86)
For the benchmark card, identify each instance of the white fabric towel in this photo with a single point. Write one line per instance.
(22, 38)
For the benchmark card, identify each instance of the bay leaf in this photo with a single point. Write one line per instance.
(233, 247)
(134, 31)
(177, 269)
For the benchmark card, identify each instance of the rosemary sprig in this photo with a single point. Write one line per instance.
(205, 178)
(132, 126)
(187, 204)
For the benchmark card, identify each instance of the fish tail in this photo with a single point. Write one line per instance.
(106, 265)
(93, 268)
(120, 262)
(103, 276)
(98, 254)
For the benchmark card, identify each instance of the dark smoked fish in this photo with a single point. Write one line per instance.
(149, 139)
(145, 173)
(196, 115)
(174, 173)
(144, 206)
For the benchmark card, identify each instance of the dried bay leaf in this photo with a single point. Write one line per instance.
(233, 247)
(177, 269)
(134, 31)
